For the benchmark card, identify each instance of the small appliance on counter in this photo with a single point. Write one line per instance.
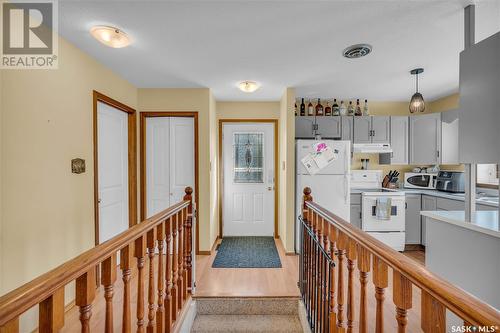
(420, 180)
(451, 181)
(391, 179)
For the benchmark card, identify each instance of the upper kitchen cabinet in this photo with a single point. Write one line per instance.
(304, 127)
(328, 127)
(399, 139)
(372, 129)
(425, 139)
(362, 129)
(347, 128)
(449, 137)
(479, 113)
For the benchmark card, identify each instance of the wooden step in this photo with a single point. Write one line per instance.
(247, 306)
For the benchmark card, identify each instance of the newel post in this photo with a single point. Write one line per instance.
(189, 239)
(305, 211)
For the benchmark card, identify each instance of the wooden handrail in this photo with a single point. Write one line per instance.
(18, 301)
(465, 305)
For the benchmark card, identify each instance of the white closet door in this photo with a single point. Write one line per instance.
(157, 165)
(112, 150)
(181, 157)
(169, 161)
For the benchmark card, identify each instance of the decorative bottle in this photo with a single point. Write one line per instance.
(310, 109)
(335, 108)
(350, 109)
(342, 109)
(366, 111)
(319, 108)
(358, 111)
(328, 109)
(302, 108)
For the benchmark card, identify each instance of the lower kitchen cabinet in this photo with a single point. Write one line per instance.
(485, 207)
(449, 204)
(356, 215)
(412, 219)
(428, 203)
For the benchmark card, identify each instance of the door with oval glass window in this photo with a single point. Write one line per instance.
(248, 179)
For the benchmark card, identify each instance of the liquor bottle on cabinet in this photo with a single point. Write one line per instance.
(302, 108)
(310, 109)
(319, 108)
(342, 109)
(296, 109)
(328, 109)
(335, 108)
(350, 109)
(358, 111)
(366, 111)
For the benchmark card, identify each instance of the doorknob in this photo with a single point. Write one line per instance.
(270, 188)
(99, 200)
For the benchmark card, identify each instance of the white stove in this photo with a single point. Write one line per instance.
(389, 228)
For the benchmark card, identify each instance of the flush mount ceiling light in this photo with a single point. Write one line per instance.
(110, 36)
(248, 86)
(357, 51)
(417, 103)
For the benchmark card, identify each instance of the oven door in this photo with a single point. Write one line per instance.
(396, 222)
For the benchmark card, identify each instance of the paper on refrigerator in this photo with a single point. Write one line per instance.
(322, 156)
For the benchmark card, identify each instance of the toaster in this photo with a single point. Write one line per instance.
(450, 181)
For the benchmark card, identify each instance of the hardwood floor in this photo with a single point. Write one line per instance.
(255, 282)
(248, 282)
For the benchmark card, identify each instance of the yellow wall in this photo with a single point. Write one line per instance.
(199, 100)
(287, 169)
(248, 110)
(214, 186)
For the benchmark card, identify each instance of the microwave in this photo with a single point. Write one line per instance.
(420, 180)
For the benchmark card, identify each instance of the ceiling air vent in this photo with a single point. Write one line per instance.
(357, 51)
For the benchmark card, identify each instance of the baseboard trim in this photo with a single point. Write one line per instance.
(207, 253)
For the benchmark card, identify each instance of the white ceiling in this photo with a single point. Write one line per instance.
(282, 44)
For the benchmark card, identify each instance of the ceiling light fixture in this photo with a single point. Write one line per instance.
(110, 36)
(248, 86)
(417, 103)
(357, 51)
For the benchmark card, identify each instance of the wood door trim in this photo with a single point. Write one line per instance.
(132, 158)
(220, 165)
(142, 158)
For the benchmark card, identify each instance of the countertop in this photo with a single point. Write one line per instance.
(436, 193)
(485, 221)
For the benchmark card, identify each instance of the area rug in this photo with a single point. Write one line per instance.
(247, 252)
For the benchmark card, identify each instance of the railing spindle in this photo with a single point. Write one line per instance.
(168, 275)
(126, 257)
(333, 315)
(351, 257)
(433, 314)
(402, 297)
(151, 244)
(85, 294)
(341, 250)
(51, 313)
(189, 240)
(160, 310)
(363, 267)
(180, 260)
(12, 326)
(380, 281)
(175, 267)
(108, 279)
(140, 252)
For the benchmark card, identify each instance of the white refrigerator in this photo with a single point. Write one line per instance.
(330, 187)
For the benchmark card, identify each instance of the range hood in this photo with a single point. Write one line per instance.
(372, 148)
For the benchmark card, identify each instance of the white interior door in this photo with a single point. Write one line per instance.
(112, 150)
(169, 161)
(248, 157)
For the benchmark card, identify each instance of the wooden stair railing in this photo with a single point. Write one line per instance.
(347, 245)
(140, 246)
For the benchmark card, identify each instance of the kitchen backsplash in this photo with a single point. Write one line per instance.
(374, 165)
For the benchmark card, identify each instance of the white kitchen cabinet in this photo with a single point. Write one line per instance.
(428, 203)
(449, 137)
(362, 129)
(425, 139)
(381, 129)
(479, 114)
(347, 128)
(372, 129)
(413, 224)
(304, 127)
(485, 207)
(399, 139)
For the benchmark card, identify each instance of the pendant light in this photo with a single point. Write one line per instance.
(417, 103)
